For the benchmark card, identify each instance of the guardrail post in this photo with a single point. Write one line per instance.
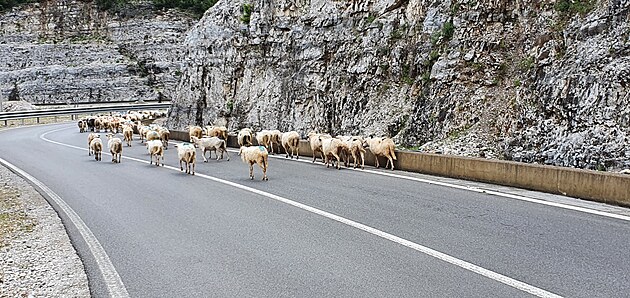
(37, 120)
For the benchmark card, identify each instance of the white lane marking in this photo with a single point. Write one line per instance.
(479, 190)
(417, 247)
(113, 282)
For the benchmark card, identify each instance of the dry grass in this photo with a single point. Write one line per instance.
(13, 217)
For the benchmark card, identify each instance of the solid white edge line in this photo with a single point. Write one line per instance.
(112, 280)
(417, 247)
(478, 190)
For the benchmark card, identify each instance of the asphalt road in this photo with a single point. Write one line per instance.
(219, 234)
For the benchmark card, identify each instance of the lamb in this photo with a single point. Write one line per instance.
(82, 125)
(96, 145)
(291, 142)
(333, 147)
(187, 154)
(314, 140)
(217, 131)
(155, 149)
(115, 147)
(276, 138)
(128, 134)
(264, 138)
(91, 136)
(211, 144)
(244, 137)
(382, 147)
(255, 154)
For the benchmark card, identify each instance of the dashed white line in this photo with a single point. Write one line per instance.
(415, 246)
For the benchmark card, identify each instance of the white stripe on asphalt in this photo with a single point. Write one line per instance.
(479, 190)
(114, 284)
(420, 248)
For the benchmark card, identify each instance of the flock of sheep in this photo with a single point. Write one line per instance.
(333, 150)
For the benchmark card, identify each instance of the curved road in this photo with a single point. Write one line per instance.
(316, 232)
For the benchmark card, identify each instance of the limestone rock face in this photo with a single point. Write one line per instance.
(57, 51)
(541, 81)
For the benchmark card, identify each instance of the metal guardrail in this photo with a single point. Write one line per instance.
(15, 115)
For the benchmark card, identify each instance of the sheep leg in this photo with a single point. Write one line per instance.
(151, 160)
(193, 168)
(362, 160)
(297, 153)
(376, 158)
(326, 160)
(180, 166)
(227, 154)
(338, 160)
(314, 153)
(263, 166)
(391, 162)
(204, 155)
(251, 170)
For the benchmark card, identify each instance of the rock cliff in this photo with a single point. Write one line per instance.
(533, 81)
(67, 51)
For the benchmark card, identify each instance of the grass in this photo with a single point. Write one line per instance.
(246, 11)
(13, 218)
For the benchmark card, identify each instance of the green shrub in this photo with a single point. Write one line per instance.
(572, 7)
(246, 11)
(8, 4)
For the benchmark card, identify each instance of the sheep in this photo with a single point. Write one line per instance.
(142, 131)
(211, 144)
(244, 137)
(90, 137)
(291, 142)
(155, 149)
(115, 147)
(194, 131)
(355, 145)
(82, 125)
(276, 138)
(382, 147)
(314, 140)
(96, 145)
(90, 123)
(255, 154)
(128, 134)
(217, 131)
(187, 154)
(264, 138)
(332, 147)
(164, 136)
(152, 135)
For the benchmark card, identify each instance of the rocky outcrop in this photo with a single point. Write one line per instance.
(58, 51)
(541, 81)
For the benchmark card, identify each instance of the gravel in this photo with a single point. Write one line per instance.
(36, 256)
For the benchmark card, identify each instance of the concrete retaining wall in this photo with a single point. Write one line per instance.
(591, 185)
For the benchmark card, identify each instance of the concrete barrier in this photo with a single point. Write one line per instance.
(585, 184)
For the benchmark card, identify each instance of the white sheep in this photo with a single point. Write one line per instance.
(128, 134)
(355, 145)
(194, 131)
(244, 137)
(165, 134)
(96, 145)
(187, 154)
(333, 147)
(91, 136)
(220, 132)
(382, 147)
(209, 144)
(258, 155)
(115, 147)
(291, 142)
(276, 138)
(314, 140)
(264, 138)
(155, 149)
